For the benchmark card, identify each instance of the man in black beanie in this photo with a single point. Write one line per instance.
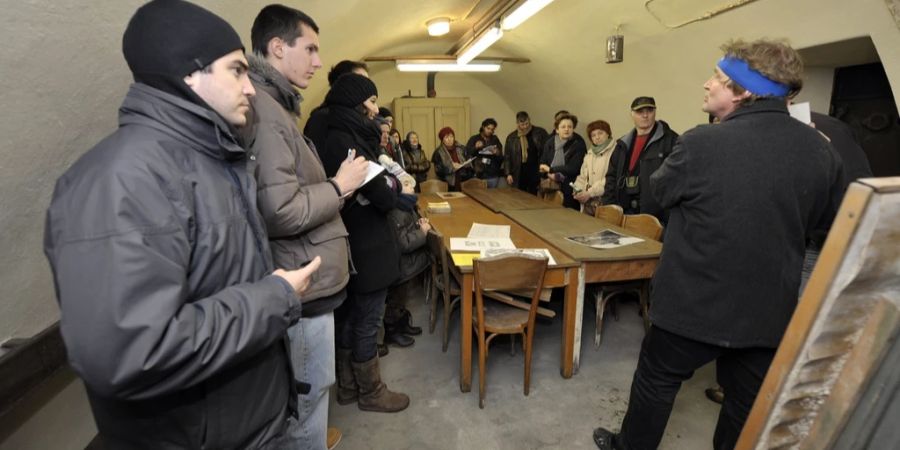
(171, 310)
(300, 205)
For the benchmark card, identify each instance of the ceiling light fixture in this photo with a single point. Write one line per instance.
(428, 65)
(480, 44)
(523, 12)
(438, 27)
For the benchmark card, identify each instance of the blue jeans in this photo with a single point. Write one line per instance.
(358, 322)
(312, 356)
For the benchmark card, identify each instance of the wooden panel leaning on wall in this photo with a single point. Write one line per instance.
(830, 368)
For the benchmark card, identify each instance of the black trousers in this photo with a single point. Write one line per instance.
(668, 359)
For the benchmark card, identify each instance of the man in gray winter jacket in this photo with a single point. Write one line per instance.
(170, 310)
(300, 204)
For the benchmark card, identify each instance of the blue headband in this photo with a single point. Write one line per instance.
(741, 73)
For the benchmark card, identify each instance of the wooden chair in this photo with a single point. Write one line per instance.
(558, 198)
(646, 226)
(431, 186)
(613, 214)
(491, 319)
(442, 282)
(473, 183)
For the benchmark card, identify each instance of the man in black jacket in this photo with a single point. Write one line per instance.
(522, 154)
(637, 156)
(487, 150)
(170, 309)
(743, 196)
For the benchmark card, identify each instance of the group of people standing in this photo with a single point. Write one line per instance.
(218, 269)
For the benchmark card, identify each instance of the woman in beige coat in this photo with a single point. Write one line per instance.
(592, 179)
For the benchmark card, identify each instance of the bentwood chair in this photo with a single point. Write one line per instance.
(442, 284)
(491, 318)
(648, 227)
(431, 186)
(473, 183)
(613, 214)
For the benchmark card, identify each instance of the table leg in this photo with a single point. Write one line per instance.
(465, 335)
(571, 337)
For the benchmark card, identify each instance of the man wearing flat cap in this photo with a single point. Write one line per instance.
(171, 310)
(743, 196)
(637, 155)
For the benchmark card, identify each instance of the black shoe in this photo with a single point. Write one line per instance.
(392, 336)
(382, 350)
(715, 394)
(605, 439)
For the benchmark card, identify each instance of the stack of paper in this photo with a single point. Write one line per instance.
(438, 207)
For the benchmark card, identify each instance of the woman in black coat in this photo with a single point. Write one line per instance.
(562, 156)
(375, 254)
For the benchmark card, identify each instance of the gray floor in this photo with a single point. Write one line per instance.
(557, 414)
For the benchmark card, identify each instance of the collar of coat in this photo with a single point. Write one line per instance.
(762, 105)
(198, 127)
(270, 80)
(657, 133)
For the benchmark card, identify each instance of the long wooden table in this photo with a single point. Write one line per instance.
(457, 223)
(508, 199)
(630, 262)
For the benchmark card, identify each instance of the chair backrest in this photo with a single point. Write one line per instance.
(644, 225)
(476, 183)
(558, 198)
(510, 272)
(610, 213)
(435, 242)
(430, 186)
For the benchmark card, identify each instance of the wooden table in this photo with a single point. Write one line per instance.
(508, 199)
(630, 262)
(457, 223)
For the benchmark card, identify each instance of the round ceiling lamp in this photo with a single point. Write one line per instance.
(438, 27)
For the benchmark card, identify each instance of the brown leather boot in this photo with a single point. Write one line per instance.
(373, 394)
(347, 390)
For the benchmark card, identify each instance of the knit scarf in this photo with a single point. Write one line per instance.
(523, 142)
(559, 155)
(597, 150)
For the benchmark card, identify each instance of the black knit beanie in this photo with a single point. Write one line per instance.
(351, 90)
(167, 40)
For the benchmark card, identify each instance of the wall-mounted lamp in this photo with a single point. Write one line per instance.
(525, 10)
(480, 44)
(426, 65)
(615, 48)
(438, 27)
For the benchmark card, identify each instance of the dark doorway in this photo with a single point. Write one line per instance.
(862, 97)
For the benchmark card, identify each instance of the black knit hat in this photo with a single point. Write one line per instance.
(174, 37)
(384, 112)
(351, 90)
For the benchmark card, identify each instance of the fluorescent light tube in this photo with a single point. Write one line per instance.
(493, 34)
(407, 65)
(523, 12)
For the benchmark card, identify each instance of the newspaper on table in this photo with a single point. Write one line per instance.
(480, 230)
(604, 239)
(541, 252)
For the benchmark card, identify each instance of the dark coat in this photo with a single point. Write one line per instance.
(411, 241)
(443, 165)
(574, 150)
(659, 146)
(743, 197)
(512, 158)
(373, 249)
(486, 166)
(168, 309)
(417, 163)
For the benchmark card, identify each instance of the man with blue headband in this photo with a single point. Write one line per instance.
(743, 196)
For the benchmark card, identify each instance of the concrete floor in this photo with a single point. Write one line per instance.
(557, 414)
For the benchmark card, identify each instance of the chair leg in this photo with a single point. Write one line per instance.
(432, 317)
(512, 345)
(482, 370)
(447, 323)
(528, 350)
(600, 300)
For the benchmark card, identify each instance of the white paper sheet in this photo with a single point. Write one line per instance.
(480, 230)
(374, 170)
(479, 244)
(800, 111)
